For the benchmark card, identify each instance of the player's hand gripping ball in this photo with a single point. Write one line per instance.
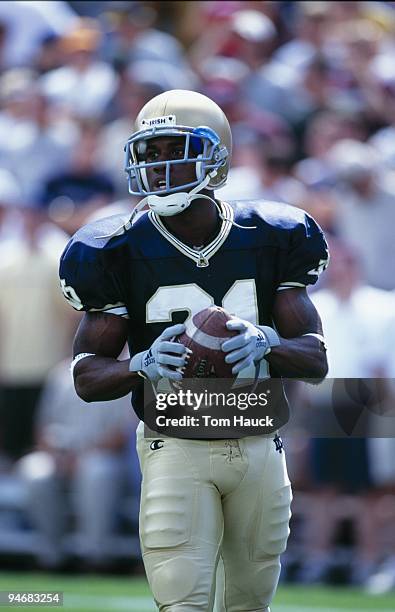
(204, 336)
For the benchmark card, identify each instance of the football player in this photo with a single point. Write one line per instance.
(201, 499)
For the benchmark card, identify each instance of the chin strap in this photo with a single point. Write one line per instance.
(180, 201)
(174, 203)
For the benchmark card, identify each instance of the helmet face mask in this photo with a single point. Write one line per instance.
(204, 146)
(201, 147)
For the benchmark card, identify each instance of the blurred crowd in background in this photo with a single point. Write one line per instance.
(309, 90)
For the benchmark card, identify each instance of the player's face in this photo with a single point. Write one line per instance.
(164, 149)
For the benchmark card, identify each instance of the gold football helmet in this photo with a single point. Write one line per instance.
(206, 133)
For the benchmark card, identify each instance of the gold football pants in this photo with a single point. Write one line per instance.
(202, 500)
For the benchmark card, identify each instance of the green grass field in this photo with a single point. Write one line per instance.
(90, 593)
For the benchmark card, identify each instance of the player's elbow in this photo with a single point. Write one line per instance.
(319, 369)
(83, 390)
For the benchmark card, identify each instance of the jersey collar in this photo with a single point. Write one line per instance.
(201, 257)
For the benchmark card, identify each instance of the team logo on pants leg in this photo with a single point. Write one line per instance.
(279, 443)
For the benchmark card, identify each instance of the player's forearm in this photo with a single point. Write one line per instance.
(302, 357)
(99, 379)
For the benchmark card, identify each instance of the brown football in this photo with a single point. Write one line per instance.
(204, 335)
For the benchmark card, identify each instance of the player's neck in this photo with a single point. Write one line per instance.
(197, 225)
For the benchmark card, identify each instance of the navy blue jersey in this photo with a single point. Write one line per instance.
(143, 272)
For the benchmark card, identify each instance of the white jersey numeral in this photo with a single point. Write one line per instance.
(174, 298)
(240, 300)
